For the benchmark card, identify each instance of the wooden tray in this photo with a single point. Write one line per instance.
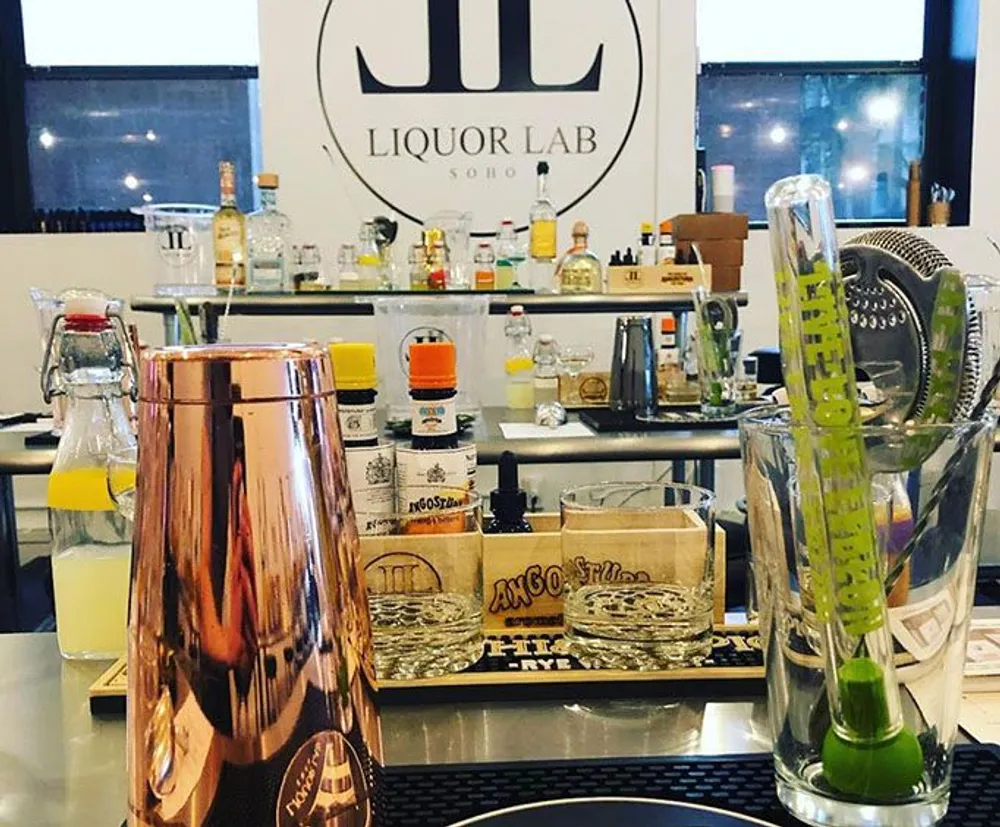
(532, 666)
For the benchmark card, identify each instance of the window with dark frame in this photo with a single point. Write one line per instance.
(840, 101)
(123, 118)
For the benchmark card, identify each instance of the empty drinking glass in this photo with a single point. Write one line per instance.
(639, 563)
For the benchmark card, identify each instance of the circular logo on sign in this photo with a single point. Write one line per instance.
(324, 784)
(465, 99)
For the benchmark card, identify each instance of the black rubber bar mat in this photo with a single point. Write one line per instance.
(437, 796)
(535, 666)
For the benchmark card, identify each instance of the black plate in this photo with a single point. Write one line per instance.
(610, 812)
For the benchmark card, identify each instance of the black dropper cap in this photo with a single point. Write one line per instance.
(542, 168)
(507, 501)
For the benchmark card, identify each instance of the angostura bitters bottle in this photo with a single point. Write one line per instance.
(251, 680)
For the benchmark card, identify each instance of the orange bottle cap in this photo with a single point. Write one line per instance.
(432, 366)
(667, 226)
(668, 324)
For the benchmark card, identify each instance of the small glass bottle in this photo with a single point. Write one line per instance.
(546, 359)
(509, 256)
(229, 233)
(91, 541)
(418, 267)
(355, 379)
(543, 234)
(369, 261)
(439, 269)
(268, 240)
(647, 244)
(519, 362)
(310, 268)
(347, 267)
(508, 501)
(667, 249)
(485, 272)
(433, 380)
(746, 384)
(580, 270)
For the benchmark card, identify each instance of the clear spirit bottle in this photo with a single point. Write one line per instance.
(510, 256)
(546, 358)
(369, 259)
(580, 270)
(418, 267)
(229, 233)
(268, 240)
(542, 244)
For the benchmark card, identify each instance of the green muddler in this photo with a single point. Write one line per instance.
(866, 752)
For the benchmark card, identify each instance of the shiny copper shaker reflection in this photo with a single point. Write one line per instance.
(251, 682)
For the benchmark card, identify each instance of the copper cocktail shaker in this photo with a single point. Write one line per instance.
(251, 681)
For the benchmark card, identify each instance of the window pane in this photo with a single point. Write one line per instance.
(111, 144)
(141, 33)
(858, 131)
(804, 31)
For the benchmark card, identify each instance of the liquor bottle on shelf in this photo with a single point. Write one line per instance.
(542, 246)
(268, 240)
(486, 276)
(519, 363)
(310, 271)
(647, 244)
(509, 256)
(667, 249)
(418, 267)
(229, 233)
(546, 358)
(369, 261)
(580, 269)
(347, 267)
(439, 269)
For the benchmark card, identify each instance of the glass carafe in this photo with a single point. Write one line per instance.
(88, 361)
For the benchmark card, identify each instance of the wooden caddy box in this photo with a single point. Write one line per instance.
(523, 573)
(658, 278)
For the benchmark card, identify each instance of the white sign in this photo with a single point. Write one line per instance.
(469, 97)
(409, 107)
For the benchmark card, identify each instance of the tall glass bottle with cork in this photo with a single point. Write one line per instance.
(87, 360)
(542, 245)
(268, 240)
(229, 233)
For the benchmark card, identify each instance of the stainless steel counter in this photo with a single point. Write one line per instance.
(61, 767)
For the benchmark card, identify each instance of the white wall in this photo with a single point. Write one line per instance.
(116, 263)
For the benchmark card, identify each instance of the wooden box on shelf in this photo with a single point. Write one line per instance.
(658, 278)
(591, 389)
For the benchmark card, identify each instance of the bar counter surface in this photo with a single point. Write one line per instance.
(62, 767)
